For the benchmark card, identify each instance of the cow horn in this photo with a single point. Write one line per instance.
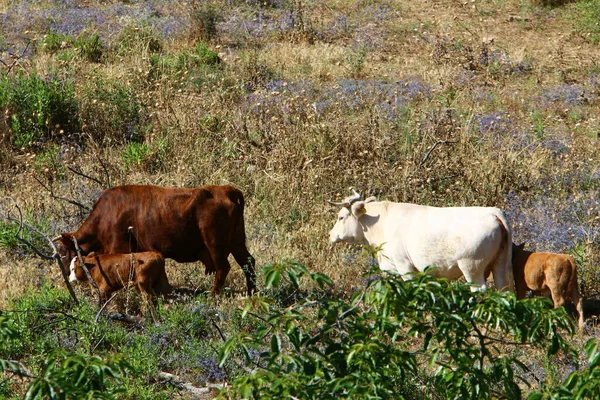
(354, 198)
(341, 204)
(348, 201)
(56, 238)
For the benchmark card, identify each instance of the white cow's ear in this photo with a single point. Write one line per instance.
(358, 208)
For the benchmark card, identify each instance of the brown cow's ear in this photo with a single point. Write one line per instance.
(521, 246)
(67, 239)
(358, 209)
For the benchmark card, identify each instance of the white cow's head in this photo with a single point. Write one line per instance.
(348, 227)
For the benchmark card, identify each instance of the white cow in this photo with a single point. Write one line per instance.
(469, 241)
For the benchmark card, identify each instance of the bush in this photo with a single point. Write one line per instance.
(204, 22)
(38, 108)
(365, 347)
(89, 46)
(138, 39)
(113, 111)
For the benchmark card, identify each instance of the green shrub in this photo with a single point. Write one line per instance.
(53, 42)
(203, 55)
(112, 111)
(38, 108)
(89, 46)
(76, 376)
(135, 154)
(365, 348)
(580, 384)
(10, 229)
(585, 20)
(196, 62)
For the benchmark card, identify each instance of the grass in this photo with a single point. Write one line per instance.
(295, 102)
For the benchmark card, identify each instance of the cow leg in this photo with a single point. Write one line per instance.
(579, 306)
(221, 266)
(247, 262)
(474, 274)
(148, 299)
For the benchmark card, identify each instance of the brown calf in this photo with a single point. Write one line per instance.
(112, 272)
(547, 274)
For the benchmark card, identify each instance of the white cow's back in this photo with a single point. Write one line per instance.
(413, 237)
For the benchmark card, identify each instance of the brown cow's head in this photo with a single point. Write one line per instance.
(67, 247)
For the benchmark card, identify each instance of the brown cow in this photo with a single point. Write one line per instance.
(547, 274)
(112, 272)
(187, 225)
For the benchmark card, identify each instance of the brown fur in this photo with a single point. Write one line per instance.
(187, 225)
(112, 272)
(547, 274)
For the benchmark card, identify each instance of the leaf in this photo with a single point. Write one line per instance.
(275, 344)
(272, 278)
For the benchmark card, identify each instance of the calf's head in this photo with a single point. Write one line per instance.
(76, 273)
(348, 227)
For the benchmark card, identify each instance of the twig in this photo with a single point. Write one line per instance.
(104, 306)
(218, 329)
(436, 144)
(71, 201)
(80, 173)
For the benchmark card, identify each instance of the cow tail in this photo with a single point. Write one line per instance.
(506, 249)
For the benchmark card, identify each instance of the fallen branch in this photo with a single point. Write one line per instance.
(188, 387)
(131, 319)
(104, 306)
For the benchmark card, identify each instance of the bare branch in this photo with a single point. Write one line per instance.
(87, 272)
(51, 191)
(80, 173)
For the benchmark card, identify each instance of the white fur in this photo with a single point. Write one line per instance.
(72, 277)
(458, 241)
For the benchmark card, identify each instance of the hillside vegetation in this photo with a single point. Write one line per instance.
(294, 102)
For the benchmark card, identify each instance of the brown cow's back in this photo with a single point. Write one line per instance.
(547, 274)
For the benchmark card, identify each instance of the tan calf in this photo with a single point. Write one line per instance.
(547, 274)
(112, 272)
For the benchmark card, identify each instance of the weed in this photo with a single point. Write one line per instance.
(204, 22)
(38, 108)
(138, 39)
(585, 21)
(112, 111)
(89, 46)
